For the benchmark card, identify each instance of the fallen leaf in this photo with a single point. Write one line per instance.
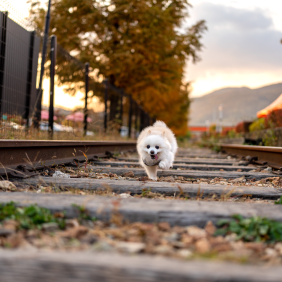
(7, 185)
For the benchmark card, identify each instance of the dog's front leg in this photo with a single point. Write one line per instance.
(170, 159)
(152, 172)
(164, 164)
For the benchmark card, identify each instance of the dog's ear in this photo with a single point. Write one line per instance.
(149, 133)
(163, 134)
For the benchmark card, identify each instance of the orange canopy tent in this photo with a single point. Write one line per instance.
(277, 104)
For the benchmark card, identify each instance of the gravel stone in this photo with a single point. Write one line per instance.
(50, 227)
(6, 232)
(130, 247)
(185, 253)
(196, 232)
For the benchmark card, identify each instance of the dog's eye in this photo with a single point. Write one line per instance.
(157, 147)
(148, 146)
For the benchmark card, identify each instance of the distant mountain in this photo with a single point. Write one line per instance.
(59, 110)
(238, 104)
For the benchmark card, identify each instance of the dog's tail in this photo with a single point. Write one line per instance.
(159, 123)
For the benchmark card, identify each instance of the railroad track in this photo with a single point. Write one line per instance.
(202, 187)
(18, 157)
(260, 155)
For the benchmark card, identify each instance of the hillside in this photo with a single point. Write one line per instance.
(238, 104)
(59, 110)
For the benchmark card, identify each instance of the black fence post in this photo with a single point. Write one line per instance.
(106, 104)
(38, 108)
(53, 54)
(130, 116)
(29, 79)
(147, 120)
(136, 117)
(121, 110)
(37, 115)
(142, 119)
(2, 56)
(86, 96)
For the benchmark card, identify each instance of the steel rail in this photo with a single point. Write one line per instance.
(263, 155)
(35, 154)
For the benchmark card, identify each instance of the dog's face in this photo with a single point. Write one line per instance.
(154, 145)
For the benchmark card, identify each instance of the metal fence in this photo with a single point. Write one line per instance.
(19, 50)
(127, 115)
(19, 67)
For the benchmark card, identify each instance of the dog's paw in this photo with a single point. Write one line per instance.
(163, 165)
(154, 178)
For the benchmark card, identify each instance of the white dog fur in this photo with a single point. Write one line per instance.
(157, 140)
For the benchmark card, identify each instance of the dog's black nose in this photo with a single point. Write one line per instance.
(152, 152)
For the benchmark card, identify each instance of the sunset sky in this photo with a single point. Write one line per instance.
(242, 46)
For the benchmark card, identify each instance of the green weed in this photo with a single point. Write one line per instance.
(146, 192)
(29, 217)
(251, 229)
(278, 202)
(83, 213)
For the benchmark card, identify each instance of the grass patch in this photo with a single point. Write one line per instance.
(83, 213)
(146, 192)
(30, 217)
(278, 202)
(253, 229)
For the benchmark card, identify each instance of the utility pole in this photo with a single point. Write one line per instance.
(220, 109)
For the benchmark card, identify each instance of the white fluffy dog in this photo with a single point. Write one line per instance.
(156, 146)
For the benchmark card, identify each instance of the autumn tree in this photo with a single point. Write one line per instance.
(141, 46)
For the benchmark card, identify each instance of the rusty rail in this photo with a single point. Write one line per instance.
(18, 156)
(271, 156)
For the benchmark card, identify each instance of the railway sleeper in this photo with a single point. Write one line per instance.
(166, 188)
(183, 166)
(175, 212)
(185, 173)
(81, 266)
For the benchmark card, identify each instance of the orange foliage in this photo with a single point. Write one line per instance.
(136, 44)
(274, 119)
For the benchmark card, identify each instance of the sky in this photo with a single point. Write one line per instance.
(241, 47)
(242, 44)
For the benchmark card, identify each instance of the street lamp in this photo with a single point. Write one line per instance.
(220, 115)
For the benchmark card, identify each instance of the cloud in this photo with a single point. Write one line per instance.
(241, 50)
(224, 17)
(237, 40)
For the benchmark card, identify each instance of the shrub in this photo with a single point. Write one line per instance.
(243, 127)
(258, 124)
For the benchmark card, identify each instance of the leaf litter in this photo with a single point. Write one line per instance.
(33, 227)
